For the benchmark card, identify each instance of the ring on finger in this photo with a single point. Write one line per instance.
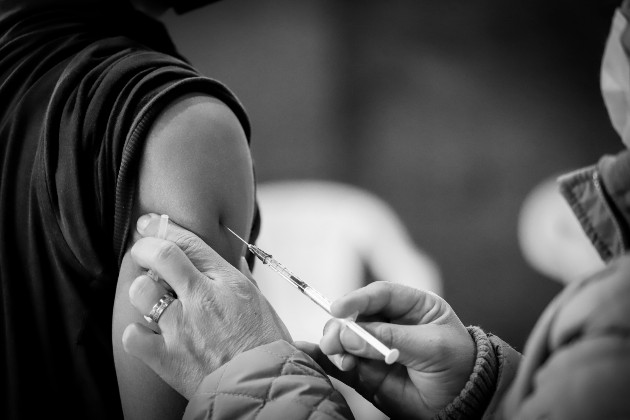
(159, 308)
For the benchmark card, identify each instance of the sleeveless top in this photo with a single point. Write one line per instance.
(79, 90)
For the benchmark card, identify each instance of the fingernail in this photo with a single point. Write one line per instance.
(151, 274)
(337, 359)
(350, 340)
(143, 222)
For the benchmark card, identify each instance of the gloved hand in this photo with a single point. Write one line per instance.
(219, 312)
(437, 353)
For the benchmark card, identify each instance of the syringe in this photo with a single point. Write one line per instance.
(391, 355)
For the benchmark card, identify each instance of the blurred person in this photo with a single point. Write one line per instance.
(551, 238)
(339, 238)
(576, 363)
(101, 120)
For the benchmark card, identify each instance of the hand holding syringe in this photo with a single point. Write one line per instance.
(391, 355)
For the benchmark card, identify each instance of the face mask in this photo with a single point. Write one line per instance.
(615, 79)
(183, 6)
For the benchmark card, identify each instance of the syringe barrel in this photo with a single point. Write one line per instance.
(284, 272)
(313, 294)
(391, 355)
(317, 298)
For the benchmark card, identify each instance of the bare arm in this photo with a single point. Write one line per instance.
(197, 169)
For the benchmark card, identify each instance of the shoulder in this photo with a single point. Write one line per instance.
(197, 168)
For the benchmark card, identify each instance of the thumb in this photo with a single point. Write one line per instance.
(142, 343)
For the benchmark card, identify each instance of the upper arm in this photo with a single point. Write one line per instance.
(196, 167)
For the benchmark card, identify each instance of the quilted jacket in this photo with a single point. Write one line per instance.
(274, 381)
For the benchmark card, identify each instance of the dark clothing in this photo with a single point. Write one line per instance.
(79, 90)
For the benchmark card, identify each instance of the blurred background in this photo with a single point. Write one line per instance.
(452, 112)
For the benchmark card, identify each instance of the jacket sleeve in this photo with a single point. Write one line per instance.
(273, 381)
(495, 367)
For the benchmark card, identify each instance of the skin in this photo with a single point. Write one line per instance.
(196, 168)
(218, 312)
(436, 352)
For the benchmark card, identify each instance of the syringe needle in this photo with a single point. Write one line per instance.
(234, 233)
(391, 355)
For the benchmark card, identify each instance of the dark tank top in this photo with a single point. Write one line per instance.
(79, 90)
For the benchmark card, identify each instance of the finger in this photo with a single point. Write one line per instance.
(315, 353)
(366, 377)
(330, 343)
(414, 342)
(170, 263)
(144, 294)
(143, 343)
(200, 254)
(344, 361)
(390, 300)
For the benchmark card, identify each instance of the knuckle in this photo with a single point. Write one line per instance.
(378, 288)
(242, 285)
(197, 287)
(221, 268)
(226, 273)
(206, 301)
(187, 242)
(381, 285)
(165, 251)
(387, 335)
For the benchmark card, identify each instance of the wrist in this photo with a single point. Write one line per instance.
(478, 390)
